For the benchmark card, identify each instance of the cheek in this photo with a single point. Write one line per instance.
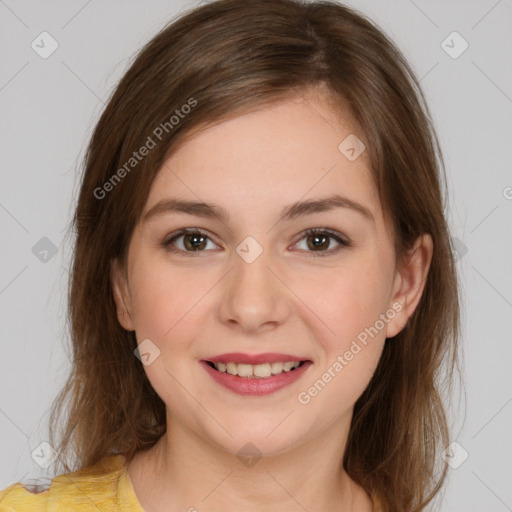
(349, 351)
(332, 391)
(165, 303)
(163, 299)
(346, 300)
(349, 302)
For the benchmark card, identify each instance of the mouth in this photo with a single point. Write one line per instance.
(257, 371)
(255, 375)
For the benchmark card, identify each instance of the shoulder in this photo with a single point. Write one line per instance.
(18, 498)
(93, 487)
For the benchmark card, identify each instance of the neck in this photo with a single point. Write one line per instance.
(185, 472)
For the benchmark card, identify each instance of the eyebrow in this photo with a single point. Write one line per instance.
(291, 212)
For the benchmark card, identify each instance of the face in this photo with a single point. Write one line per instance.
(255, 283)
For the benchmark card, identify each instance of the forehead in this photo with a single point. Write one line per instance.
(275, 155)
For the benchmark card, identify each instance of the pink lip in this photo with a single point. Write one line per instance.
(269, 357)
(255, 386)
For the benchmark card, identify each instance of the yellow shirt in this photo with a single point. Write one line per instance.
(105, 486)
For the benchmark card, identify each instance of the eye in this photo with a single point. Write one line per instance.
(317, 239)
(195, 241)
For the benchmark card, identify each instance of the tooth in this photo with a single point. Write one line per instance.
(276, 368)
(262, 370)
(244, 370)
(231, 368)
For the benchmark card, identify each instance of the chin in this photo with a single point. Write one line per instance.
(248, 441)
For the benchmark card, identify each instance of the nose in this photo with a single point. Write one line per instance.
(255, 297)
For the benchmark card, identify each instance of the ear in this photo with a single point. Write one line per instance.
(409, 283)
(119, 281)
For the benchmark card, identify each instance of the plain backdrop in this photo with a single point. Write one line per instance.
(49, 107)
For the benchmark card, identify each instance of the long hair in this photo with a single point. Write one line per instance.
(220, 60)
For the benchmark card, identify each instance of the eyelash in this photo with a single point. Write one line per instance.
(167, 244)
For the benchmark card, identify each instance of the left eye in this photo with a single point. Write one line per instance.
(195, 241)
(318, 238)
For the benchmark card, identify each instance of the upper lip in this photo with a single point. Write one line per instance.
(253, 359)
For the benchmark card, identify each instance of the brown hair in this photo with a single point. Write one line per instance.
(227, 57)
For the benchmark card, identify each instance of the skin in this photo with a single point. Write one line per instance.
(287, 300)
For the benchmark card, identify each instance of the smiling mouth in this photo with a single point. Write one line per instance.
(256, 371)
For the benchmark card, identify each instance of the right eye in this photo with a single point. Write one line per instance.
(194, 241)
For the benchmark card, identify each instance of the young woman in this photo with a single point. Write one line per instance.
(263, 298)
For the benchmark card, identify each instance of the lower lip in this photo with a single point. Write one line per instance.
(256, 386)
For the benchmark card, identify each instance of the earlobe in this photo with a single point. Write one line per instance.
(121, 296)
(410, 282)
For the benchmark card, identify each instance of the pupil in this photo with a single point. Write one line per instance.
(316, 238)
(195, 238)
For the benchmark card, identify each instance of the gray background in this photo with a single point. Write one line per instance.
(49, 107)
